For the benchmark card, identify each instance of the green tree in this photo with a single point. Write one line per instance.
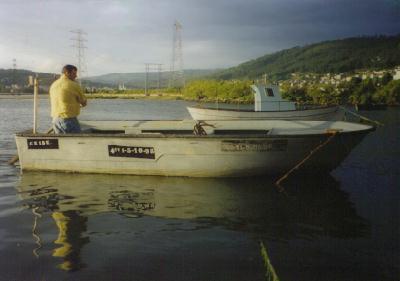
(387, 77)
(297, 94)
(390, 94)
(225, 91)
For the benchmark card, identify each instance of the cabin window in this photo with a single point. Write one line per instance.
(269, 92)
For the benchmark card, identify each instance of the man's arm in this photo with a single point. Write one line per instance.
(81, 97)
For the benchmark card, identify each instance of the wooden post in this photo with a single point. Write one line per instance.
(146, 79)
(35, 103)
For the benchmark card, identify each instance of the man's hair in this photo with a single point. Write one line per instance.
(68, 68)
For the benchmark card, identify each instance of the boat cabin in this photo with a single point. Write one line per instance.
(268, 98)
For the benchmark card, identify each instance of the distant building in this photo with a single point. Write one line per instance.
(396, 75)
(121, 87)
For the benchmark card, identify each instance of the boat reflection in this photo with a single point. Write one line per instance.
(309, 207)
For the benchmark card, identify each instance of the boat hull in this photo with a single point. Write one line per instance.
(195, 156)
(323, 113)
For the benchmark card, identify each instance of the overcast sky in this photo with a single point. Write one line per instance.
(123, 35)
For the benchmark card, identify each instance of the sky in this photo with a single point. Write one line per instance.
(123, 35)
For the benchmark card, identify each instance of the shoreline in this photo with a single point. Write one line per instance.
(139, 97)
(102, 96)
(129, 96)
(16, 96)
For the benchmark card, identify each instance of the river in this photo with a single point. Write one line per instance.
(342, 225)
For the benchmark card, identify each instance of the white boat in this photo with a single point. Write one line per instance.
(175, 148)
(269, 105)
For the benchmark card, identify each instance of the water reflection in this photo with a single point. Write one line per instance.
(71, 226)
(311, 206)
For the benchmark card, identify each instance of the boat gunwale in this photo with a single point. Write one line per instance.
(210, 136)
(269, 111)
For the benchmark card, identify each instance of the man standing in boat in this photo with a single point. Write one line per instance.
(66, 99)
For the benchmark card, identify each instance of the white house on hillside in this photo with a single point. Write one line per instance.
(396, 75)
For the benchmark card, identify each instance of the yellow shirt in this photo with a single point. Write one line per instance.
(66, 97)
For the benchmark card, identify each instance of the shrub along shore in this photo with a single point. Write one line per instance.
(371, 91)
(356, 91)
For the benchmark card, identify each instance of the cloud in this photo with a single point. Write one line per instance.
(123, 35)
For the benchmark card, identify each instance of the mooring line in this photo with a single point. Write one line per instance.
(332, 133)
(270, 271)
(362, 117)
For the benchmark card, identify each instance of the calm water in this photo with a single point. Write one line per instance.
(338, 226)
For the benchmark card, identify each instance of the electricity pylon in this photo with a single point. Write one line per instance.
(177, 78)
(79, 45)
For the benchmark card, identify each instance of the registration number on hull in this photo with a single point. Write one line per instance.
(254, 145)
(131, 151)
(42, 143)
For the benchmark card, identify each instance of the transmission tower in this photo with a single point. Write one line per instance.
(151, 67)
(79, 44)
(177, 78)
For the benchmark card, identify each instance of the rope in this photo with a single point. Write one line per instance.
(332, 133)
(362, 117)
(270, 273)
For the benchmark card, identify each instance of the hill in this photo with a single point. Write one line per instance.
(337, 56)
(137, 80)
(20, 77)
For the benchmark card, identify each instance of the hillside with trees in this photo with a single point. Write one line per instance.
(335, 56)
(369, 91)
(356, 91)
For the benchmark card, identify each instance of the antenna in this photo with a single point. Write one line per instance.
(79, 44)
(177, 78)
